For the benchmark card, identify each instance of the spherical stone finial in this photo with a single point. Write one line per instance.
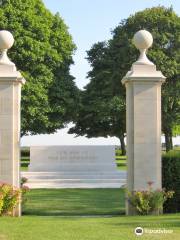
(6, 40)
(143, 39)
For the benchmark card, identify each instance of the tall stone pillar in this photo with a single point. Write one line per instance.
(10, 95)
(143, 119)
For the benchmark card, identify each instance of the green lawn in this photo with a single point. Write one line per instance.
(63, 202)
(120, 161)
(25, 160)
(82, 214)
(56, 204)
(78, 228)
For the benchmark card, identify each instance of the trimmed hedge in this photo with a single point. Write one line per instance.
(25, 152)
(171, 179)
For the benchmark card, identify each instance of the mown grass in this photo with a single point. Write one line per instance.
(48, 217)
(74, 202)
(121, 163)
(82, 214)
(174, 153)
(78, 228)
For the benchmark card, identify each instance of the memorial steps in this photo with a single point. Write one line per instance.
(75, 179)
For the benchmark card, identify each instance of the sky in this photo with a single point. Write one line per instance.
(90, 21)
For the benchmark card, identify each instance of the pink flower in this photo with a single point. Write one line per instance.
(150, 183)
(25, 187)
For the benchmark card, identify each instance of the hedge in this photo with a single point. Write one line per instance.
(171, 180)
(25, 152)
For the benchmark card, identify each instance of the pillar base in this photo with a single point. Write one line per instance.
(17, 211)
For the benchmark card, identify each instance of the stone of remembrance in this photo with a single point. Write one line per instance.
(73, 167)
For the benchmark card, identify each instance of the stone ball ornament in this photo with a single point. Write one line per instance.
(143, 40)
(6, 40)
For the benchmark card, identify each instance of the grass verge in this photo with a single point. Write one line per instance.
(65, 202)
(47, 218)
(78, 228)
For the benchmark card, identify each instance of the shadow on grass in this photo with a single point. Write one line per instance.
(66, 214)
(161, 221)
(75, 202)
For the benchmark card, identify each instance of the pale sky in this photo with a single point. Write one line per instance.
(90, 21)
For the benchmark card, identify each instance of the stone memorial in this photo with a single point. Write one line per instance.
(143, 120)
(10, 95)
(73, 167)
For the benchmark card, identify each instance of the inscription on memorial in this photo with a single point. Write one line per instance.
(72, 158)
(72, 155)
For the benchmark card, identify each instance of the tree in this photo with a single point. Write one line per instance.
(102, 113)
(112, 61)
(43, 52)
(164, 25)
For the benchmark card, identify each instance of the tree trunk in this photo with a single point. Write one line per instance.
(123, 146)
(168, 140)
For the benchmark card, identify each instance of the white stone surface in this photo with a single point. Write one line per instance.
(143, 116)
(143, 40)
(6, 42)
(6, 39)
(73, 167)
(10, 95)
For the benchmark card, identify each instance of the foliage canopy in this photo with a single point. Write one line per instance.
(43, 52)
(102, 111)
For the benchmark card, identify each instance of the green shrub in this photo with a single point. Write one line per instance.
(171, 179)
(118, 152)
(25, 152)
(149, 201)
(9, 198)
(24, 190)
(23, 181)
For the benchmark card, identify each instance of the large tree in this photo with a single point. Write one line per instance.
(102, 112)
(110, 62)
(43, 52)
(164, 25)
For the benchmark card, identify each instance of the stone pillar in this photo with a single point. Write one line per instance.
(143, 120)
(10, 95)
